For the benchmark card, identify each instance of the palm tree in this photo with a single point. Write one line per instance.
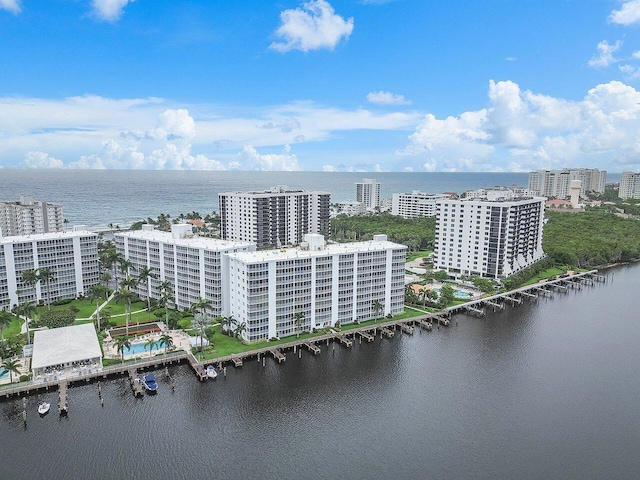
(110, 259)
(240, 329)
(11, 366)
(145, 275)
(228, 323)
(96, 292)
(106, 278)
(28, 310)
(200, 321)
(125, 265)
(30, 277)
(165, 290)
(151, 343)
(377, 308)
(298, 319)
(46, 275)
(165, 341)
(125, 295)
(5, 321)
(121, 344)
(201, 305)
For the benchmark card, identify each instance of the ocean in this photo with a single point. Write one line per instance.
(96, 198)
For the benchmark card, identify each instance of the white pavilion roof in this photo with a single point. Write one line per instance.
(65, 344)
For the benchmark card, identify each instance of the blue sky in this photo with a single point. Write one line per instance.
(338, 85)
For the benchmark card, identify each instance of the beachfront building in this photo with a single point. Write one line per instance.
(557, 183)
(194, 266)
(28, 216)
(65, 352)
(415, 204)
(72, 258)
(495, 235)
(276, 217)
(368, 193)
(629, 185)
(323, 284)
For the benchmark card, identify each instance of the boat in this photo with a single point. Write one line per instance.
(149, 382)
(43, 408)
(211, 371)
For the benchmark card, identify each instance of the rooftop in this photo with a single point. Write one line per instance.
(65, 344)
(46, 236)
(193, 241)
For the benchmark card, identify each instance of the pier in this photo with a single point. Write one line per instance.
(344, 340)
(312, 347)
(407, 328)
(278, 355)
(366, 335)
(136, 384)
(387, 332)
(198, 367)
(425, 325)
(63, 404)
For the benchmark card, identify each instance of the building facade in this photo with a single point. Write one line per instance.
(368, 193)
(629, 185)
(494, 237)
(557, 183)
(193, 266)
(415, 204)
(29, 217)
(276, 217)
(72, 257)
(326, 284)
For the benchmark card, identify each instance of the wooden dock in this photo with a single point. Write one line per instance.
(387, 332)
(136, 384)
(312, 347)
(425, 324)
(278, 355)
(63, 403)
(407, 328)
(366, 335)
(344, 340)
(197, 367)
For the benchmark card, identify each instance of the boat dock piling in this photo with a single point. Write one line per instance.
(425, 325)
(387, 332)
(344, 340)
(197, 367)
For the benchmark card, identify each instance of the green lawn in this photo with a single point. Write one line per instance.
(413, 255)
(85, 306)
(549, 272)
(118, 308)
(14, 327)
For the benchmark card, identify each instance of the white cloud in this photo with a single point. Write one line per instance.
(605, 57)
(511, 59)
(523, 130)
(313, 26)
(328, 168)
(630, 72)
(269, 162)
(41, 160)
(109, 10)
(628, 14)
(387, 98)
(12, 6)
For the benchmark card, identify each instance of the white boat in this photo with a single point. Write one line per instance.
(211, 371)
(43, 408)
(149, 382)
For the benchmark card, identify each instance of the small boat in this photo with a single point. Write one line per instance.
(211, 371)
(43, 408)
(149, 382)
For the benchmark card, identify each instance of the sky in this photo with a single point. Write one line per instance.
(320, 85)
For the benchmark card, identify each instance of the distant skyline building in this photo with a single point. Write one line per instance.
(72, 257)
(277, 217)
(629, 185)
(415, 204)
(323, 283)
(557, 183)
(368, 193)
(494, 236)
(28, 217)
(193, 266)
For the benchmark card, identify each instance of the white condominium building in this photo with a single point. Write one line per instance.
(415, 204)
(368, 193)
(193, 266)
(28, 217)
(72, 257)
(324, 284)
(557, 183)
(629, 185)
(496, 236)
(275, 217)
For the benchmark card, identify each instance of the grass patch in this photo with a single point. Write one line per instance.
(411, 256)
(14, 327)
(86, 308)
(118, 308)
(545, 274)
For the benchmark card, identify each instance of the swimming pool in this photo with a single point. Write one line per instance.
(5, 375)
(456, 293)
(138, 348)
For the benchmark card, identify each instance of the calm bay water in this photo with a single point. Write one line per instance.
(97, 198)
(549, 389)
